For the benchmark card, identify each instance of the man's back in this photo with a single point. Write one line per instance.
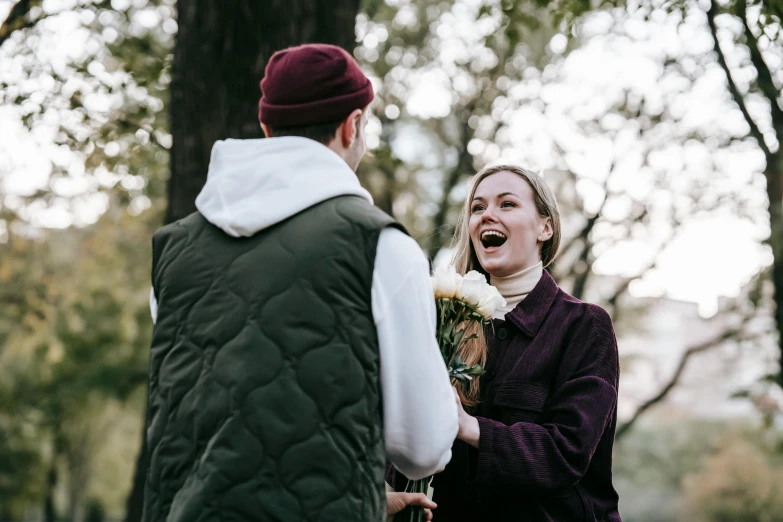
(282, 347)
(265, 398)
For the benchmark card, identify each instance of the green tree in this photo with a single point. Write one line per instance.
(81, 336)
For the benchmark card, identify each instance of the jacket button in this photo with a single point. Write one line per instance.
(489, 375)
(502, 333)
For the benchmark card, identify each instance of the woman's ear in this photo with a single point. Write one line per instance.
(546, 231)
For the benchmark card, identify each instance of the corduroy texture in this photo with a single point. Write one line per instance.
(311, 84)
(547, 417)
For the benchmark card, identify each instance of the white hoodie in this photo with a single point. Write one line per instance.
(253, 184)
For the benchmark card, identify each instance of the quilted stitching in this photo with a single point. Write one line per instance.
(264, 399)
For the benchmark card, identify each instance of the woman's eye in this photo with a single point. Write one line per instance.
(507, 204)
(476, 208)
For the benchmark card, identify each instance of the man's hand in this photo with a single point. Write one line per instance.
(396, 502)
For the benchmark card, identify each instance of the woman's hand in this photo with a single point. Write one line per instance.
(396, 502)
(468, 426)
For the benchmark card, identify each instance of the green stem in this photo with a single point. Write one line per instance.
(414, 513)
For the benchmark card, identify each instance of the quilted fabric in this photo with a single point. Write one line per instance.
(264, 394)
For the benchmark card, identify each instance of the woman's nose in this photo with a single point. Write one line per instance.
(488, 215)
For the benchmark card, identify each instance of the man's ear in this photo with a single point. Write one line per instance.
(348, 130)
(266, 130)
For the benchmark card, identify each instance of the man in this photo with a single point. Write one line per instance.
(295, 321)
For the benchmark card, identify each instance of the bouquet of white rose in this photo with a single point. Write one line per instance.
(460, 302)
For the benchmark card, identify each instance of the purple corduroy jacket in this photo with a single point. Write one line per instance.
(547, 415)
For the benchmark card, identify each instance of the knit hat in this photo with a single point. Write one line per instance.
(311, 84)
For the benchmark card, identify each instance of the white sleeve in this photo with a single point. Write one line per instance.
(420, 413)
(153, 306)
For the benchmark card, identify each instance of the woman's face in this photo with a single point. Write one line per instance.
(505, 228)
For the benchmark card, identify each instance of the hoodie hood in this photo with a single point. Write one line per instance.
(254, 184)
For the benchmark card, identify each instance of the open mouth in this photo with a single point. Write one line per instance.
(492, 238)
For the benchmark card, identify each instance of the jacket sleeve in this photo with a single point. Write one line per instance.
(557, 452)
(420, 412)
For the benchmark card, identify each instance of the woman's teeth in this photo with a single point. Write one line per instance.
(492, 238)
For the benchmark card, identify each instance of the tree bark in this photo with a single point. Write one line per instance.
(52, 476)
(219, 59)
(134, 504)
(774, 175)
(51, 483)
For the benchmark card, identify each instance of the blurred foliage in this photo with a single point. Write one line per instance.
(75, 337)
(739, 482)
(650, 464)
(75, 329)
(103, 102)
(701, 471)
(79, 338)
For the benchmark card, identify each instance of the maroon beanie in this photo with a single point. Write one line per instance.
(310, 84)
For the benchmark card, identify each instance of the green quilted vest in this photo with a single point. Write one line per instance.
(264, 393)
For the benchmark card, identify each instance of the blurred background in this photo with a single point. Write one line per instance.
(658, 123)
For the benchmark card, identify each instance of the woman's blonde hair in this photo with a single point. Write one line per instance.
(464, 258)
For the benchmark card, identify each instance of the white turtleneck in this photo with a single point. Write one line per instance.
(514, 288)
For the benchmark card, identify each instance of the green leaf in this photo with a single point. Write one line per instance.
(485, 10)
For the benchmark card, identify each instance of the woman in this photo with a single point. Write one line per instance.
(536, 433)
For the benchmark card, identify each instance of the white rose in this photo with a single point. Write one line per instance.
(490, 302)
(445, 282)
(472, 287)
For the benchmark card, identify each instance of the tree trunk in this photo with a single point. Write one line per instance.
(774, 175)
(52, 476)
(50, 514)
(134, 504)
(79, 455)
(219, 59)
(774, 169)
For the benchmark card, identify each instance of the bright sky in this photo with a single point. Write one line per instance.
(712, 256)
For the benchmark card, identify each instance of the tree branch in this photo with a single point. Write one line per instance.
(17, 19)
(464, 165)
(584, 233)
(584, 268)
(739, 99)
(765, 81)
(132, 125)
(731, 333)
(676, 223)
(623, 287)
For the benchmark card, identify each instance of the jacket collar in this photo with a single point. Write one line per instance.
(531, 311)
